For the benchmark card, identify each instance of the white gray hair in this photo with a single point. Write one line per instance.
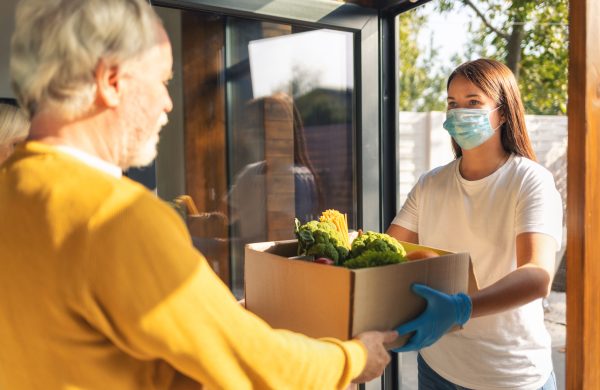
(57, 45)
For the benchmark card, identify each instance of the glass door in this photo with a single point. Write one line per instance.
(268, 126)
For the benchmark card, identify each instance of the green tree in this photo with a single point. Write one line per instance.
(418, 88)
(531, 37)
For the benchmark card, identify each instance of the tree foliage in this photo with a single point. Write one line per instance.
(418, 88)
(530, 36)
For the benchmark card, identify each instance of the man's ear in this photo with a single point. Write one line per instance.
(108, 83)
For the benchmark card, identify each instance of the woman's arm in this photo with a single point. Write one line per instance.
(531, 280)
(403, 234)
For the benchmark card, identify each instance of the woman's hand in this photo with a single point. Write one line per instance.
(443, 311)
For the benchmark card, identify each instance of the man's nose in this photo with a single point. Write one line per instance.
(169, 103)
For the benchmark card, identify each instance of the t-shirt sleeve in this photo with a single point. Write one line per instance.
(156, 298)
(408, 216)
(539, 207)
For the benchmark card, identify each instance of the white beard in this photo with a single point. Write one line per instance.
(145, 154)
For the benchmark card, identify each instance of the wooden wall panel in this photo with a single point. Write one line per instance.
(205, 133)
(278, 123)
(583, 203)
(204, 109)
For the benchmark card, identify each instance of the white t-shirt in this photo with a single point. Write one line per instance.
(509, 350)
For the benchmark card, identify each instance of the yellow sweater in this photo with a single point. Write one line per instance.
(100, 288)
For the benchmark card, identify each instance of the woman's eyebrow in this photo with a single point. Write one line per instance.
(468, 96)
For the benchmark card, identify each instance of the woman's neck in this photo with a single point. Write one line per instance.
(481, 162)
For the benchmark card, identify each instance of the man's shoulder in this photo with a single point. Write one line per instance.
(41, 172)
(86, 192)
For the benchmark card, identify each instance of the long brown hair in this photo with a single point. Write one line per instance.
(497, 81)
(289, 111)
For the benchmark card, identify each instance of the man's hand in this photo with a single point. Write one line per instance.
(443, 311)
(377, 355)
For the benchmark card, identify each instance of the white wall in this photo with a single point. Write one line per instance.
(7, 24)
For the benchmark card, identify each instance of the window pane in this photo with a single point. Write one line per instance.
(290, 129)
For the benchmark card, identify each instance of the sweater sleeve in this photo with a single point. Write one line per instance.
(155, 297)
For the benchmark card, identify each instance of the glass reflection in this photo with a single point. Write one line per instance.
(290, 129)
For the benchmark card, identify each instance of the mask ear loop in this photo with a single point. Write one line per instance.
(492, 110)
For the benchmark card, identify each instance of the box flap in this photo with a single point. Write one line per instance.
(286, 248)
(473, 285)
(382, 296)
(315, 298)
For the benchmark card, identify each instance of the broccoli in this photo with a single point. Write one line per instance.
(323, 250)
(374, 258)
(379, 242)
(320, 239)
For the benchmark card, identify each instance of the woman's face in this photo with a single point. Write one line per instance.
(464, 94)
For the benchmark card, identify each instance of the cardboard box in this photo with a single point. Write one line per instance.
(328, 301)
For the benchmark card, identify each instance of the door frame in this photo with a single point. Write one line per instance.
(583, 195)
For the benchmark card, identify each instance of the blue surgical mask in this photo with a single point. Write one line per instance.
(470, 127)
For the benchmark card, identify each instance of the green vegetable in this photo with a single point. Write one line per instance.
(374, 258)
(372, 249)
(320, 239)
(379, 242)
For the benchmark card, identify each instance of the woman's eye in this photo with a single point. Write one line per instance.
(451, 105)
(474, 102)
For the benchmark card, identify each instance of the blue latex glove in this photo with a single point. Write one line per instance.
(443, 311)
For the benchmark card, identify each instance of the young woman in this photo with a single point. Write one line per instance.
(497, 203)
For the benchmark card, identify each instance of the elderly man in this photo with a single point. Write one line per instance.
(100, 287)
